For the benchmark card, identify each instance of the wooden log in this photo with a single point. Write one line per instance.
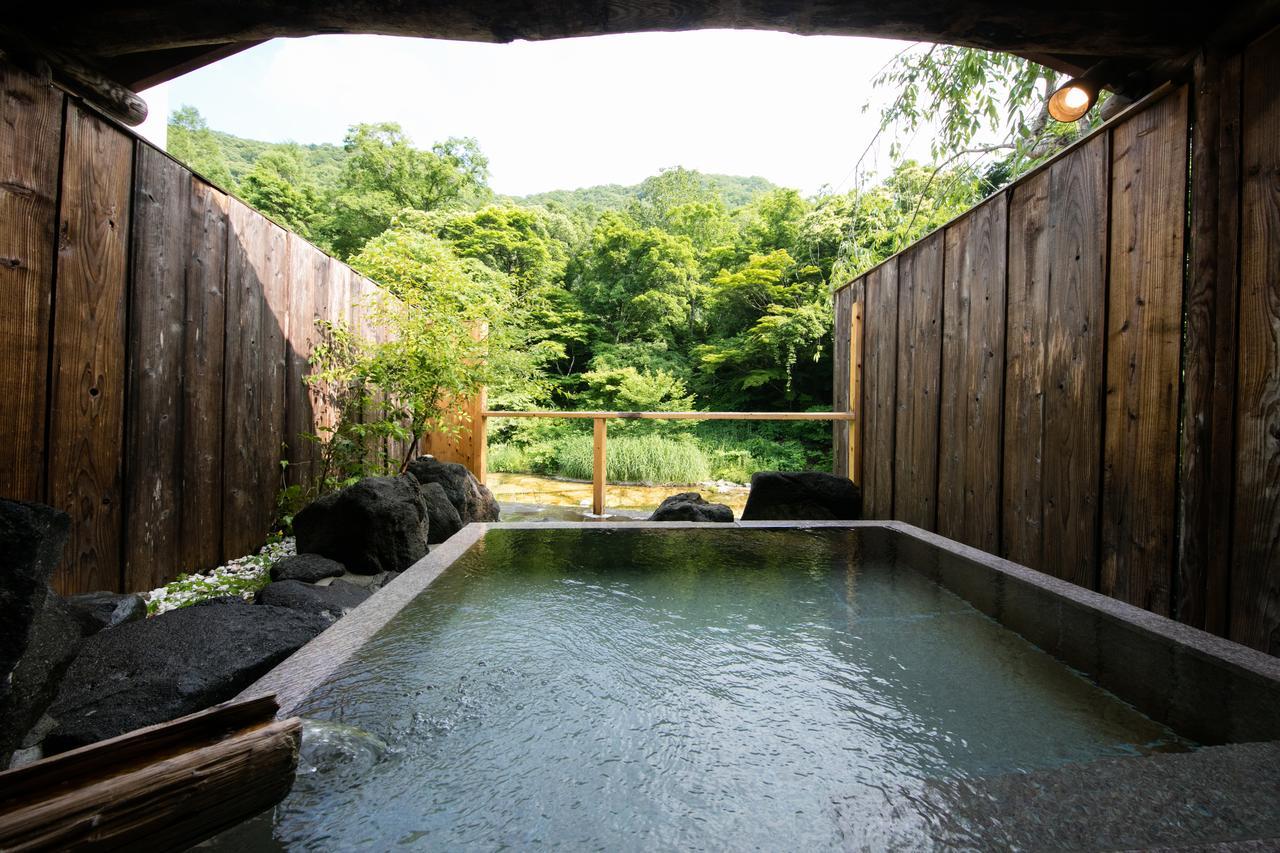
(86, 429)
(679, 416)
(163, 787)
(840, 369)
(30, 146)
(82, 78)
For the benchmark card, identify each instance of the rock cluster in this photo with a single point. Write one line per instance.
(75, 671)
(691, 506)
(802, 496)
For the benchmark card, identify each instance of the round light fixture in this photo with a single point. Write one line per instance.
(1073, 99)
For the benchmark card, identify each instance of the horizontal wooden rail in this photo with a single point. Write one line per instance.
(601, 432)
(684, 416)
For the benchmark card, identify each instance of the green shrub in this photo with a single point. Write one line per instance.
(507, 458)
(636, 459)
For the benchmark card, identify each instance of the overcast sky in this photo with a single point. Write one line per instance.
(574, 112)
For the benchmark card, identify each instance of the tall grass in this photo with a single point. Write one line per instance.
(635, 459)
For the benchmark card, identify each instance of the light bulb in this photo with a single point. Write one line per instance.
(1072, 100)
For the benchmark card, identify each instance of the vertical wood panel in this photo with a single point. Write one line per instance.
(247, 487)
(854, 454)
(30, 144)
(153, 447)
(1074, 375)
(86, 429)
(1208, 424)
(1028, 309)
(1255, 570)
(1148, 203)
(973, 376)
(202, 402)
(308, 302)
(840, 372)
(879, 389)
(920, 271)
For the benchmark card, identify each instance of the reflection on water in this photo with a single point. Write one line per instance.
(707, 690)
(529, 489)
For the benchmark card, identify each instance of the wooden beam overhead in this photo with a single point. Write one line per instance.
(150, 42)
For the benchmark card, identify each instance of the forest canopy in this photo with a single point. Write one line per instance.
(685, 291)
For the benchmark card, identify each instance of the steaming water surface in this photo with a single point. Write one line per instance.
(706, 690)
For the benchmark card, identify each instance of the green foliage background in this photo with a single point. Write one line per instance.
(685, 291)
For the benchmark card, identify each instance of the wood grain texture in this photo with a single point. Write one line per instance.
(915, 477)
(1207, 459)
(1148, 204)
(880, 389)
(204, 339)
(972, 405)
(841, 369)
(157, 319)
(1074, 376)
(86, 429)
(1027, 318)
(253, 421)
(856, 326)
(308, 303)
(30, 146)
(1255, 568)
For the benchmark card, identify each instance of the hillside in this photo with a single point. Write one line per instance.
(734, 189)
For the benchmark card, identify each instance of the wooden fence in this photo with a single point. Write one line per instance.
(153, 344)
(1059, 376)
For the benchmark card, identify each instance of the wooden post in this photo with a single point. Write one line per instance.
(599, 466)
(480, 435)
(855, 389)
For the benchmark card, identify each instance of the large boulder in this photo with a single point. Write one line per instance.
(443, 515)
(307, 568)
(99, 610)
(802, 496)
(690, 506)
(379, 524)
(332, 601)
(147, 672)
(39, 634)
(473, 501)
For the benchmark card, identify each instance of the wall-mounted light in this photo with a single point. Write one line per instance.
(1078, 95)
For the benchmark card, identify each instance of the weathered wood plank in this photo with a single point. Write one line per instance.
(253, 423)
(915, 477)
(164, 787)
(1074, 375)
(1207, 460)
(1144, 332)
(880, 389)
(973, 376)
(840, 373)
(308, 302)
(86, 429)
(854, 454)
(30, 147)
(1028, 310)
(202, 403)
(1255, 568)
(157, 315)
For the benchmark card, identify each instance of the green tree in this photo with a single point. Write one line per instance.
(385, 174)
(280, 186)
(191, 142)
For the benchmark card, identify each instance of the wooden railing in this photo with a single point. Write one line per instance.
(601, 433)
